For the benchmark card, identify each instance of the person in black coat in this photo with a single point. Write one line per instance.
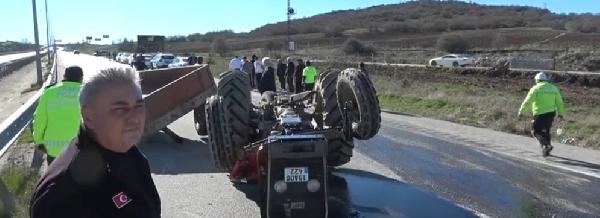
(298, 76)
(253, 82)
(281, 73)
(140, 62)
(289, 74)
(267, 81)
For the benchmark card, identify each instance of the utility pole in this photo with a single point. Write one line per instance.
(47, 30)
(290, 12)
(38, 62)
(288, 26)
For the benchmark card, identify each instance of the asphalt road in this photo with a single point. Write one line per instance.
(12, 57)
(414, 167)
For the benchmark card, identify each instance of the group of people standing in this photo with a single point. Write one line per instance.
(293, 77)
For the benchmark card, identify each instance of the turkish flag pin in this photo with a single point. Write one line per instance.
(121, 200)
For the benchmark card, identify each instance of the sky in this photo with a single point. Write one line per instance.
(73, 20)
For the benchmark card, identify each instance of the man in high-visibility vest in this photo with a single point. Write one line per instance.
(545, 102)
(309, 73)
(57, 116)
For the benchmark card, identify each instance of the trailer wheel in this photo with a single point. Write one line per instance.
(327, 91)
(222, 156)
(200, 119)
(355, 87)
(234, 89)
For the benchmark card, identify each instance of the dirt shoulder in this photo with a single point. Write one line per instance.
(13, 89)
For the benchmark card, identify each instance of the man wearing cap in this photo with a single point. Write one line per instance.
(545, 101)
(56, 118)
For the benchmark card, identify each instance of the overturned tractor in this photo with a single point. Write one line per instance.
(287, 142)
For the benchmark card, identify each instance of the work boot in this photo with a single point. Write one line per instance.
(549, 148)
(546, 150)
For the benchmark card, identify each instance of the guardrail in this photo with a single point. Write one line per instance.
(11, 128)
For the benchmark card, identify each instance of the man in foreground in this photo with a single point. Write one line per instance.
(102, 173)
(57, 116)
(545, 102)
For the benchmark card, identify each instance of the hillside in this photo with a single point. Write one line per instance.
(10, 46)
(435, 16)
(416, 24)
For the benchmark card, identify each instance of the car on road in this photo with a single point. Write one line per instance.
(76, 52)
(147, 58)
(128, 59)
(101, 53)
(452, 60)
(179, 62)
(161, 60)
(121, 57)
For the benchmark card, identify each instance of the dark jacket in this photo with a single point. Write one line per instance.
(291, 68)
(281, 68)
(140, 63)
(247, 67)
(267, 82)
(87, 180)
(299, 69)
(298, 80)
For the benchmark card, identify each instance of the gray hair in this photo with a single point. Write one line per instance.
(103, 78)
(267, 62)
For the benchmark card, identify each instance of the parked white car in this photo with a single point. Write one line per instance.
(179, 62)
(147, 58)
(161, 60)
(128, 59)
(451, 60)
(121, 57)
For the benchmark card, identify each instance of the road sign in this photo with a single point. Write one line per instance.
(88, 37)
(150, 43)
(105, 36)
(97, 39)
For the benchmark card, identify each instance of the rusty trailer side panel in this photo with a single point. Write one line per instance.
(171, 93)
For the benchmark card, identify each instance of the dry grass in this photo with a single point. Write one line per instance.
(479, 106)
(18, 178)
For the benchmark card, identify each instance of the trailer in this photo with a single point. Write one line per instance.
(171, 93)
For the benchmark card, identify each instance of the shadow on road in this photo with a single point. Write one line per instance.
(168, 157)
(568, 161)
(357, 193)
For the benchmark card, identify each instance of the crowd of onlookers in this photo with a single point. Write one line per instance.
(293, 76)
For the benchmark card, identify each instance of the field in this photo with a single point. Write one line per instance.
(477, 99)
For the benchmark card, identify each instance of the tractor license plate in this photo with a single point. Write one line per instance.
(296, 174)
